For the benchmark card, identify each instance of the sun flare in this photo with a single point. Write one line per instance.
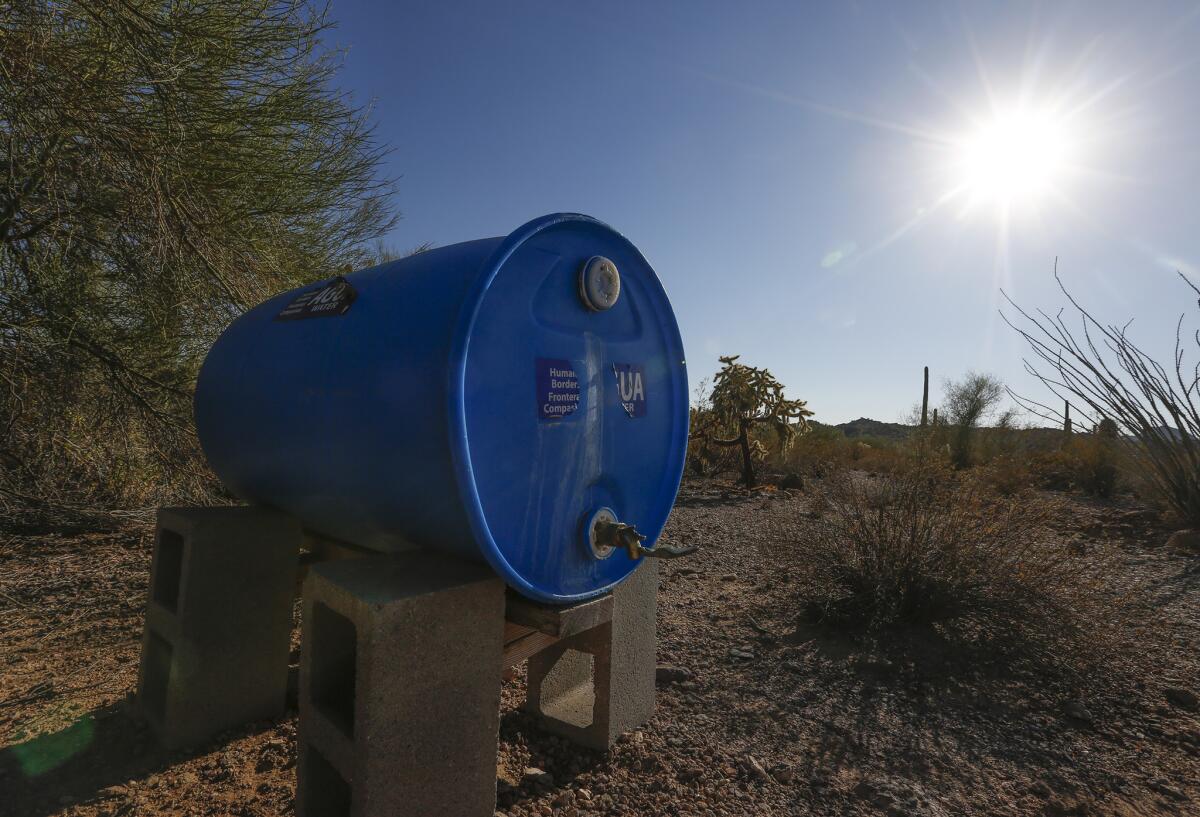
(1015, 158)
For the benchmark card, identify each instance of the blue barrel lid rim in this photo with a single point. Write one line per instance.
(456, 391)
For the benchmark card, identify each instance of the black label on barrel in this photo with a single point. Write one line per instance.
(557, 388)
(334, 298)
(631, 388)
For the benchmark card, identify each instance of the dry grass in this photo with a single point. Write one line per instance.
(1084, 462)
(817, 454)
(928, 546)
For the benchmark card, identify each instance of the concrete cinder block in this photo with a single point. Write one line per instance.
(399, 687)
(218, 620)
(592, 687)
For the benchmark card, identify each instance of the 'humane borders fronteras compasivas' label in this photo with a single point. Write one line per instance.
(557, 388)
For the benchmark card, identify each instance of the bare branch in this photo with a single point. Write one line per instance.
(1099, 366)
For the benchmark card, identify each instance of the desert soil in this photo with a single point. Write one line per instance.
(758, 713)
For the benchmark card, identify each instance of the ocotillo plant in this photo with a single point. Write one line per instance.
(1153, 404)
(925, 400)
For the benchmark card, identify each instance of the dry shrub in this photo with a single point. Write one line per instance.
(826, 450)
(1086, 462)
(1095, 464)
(1052, 470)
(1009, 474)
(929, 545)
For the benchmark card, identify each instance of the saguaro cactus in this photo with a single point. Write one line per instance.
(1067, 417)
(925, 400)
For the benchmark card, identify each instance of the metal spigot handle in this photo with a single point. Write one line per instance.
(619, 534)
(668, 551)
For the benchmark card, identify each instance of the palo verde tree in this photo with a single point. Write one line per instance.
(163, 166)
(968, 403)
(744, 397)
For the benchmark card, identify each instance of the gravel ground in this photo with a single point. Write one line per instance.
(758, 713)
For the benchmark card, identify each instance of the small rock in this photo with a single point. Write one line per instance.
(1163, 787)
(1185, 540)
(739, 654)
(783, 773)
(1183, 698)
(669, 674)
(864, 789)
(536, 775)
(757, 769)
(792, 482)
(1077, 711)
(885, 800)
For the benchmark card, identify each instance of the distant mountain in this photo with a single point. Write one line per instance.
(1168, 433)
(866, 427)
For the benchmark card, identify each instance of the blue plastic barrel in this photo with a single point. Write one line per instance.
(485, 399)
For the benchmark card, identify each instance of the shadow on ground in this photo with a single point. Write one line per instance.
(105, 747)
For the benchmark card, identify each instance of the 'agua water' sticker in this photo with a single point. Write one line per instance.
(631, 388)
(557, 388)
(334, 298)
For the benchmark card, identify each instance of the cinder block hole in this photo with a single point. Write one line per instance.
(569, 689)
(334, 660)
(168, 567)
(156, 675)
(325, 791)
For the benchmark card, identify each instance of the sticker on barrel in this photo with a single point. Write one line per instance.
(557, 388)
(333, 298)
(631, 388)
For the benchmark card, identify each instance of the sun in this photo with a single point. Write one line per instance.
(1013, 159)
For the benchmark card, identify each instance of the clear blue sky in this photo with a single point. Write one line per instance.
(805, 177)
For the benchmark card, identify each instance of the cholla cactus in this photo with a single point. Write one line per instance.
(743, 397)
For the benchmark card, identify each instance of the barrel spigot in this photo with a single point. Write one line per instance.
(606, 534)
